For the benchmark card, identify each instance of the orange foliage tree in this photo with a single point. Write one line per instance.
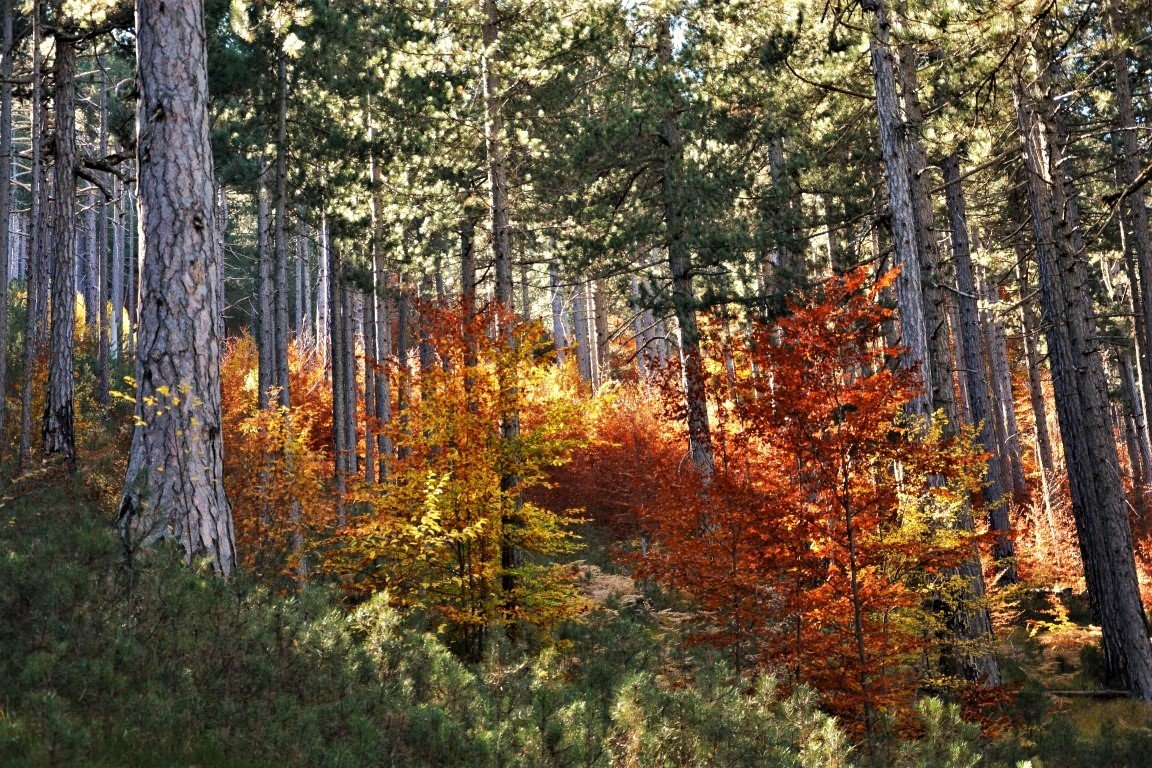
(827, 526)
(276, 462)
(432, 535)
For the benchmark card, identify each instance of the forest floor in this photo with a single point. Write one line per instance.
(74, 677)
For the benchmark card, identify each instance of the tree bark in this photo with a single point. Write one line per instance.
(101, 247)
(7, 51)
(173, 489)
(280, 238)
(1133, 210)
(923, 326)
(975, 372)
(266, 346)
(1082, 408)
(497, 159)
(894, 148)
(35, 337)
(680, 266)
(559, 341)
(59, 421)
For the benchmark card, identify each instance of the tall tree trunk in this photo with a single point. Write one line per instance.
(600, 316)
(323, 288)
(101, 249)
(35, 338)
(348, 320)
(923, 326)
(559, 341)
(338, 340)
(1036, 398)
(280, 238)
(266, 346)
(584, 351)
(117, 282)
(975, 372)
(1133, 211)
(59, 421)
(371, 363)
(680, 266)
(174, 486)
(909, 286)
(1098, 502)
(6, 51)
(304, 251)
(497, 159)
(1002, 398)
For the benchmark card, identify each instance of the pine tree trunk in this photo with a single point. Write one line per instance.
(371, 361)
(6, 51)
(496, 155)
(35, 338)
(101, 249)
(174, 489)
(1133, 211)
(1098, 502)
(1002, 397)
(266, 362)
(1036, 399)
(680, 266)
(348, 320)
(280, 238)
(923, 327)
(118, 272)
(59, 420)
(323, 289)
(559, 341)
(337, 341)
(603, 351)
(975, 372)
(909, 286)
(583, 336)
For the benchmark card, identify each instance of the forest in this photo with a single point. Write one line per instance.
(575, 383)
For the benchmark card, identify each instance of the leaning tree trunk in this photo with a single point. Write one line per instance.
(174, 486)
(1082, 407)
(58, 429)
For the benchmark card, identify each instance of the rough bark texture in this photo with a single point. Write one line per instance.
(1082, 407)
(559, 340)
(923, 321)
(37, 279)
(1133, 211)
(58, 426)
(680, 266)
(265, 264)
(497, 159)
(5, 195)
(117, 282)
(368, 305)
(100, 250)
(174, 490)
(975, 372)
(280, 239)
(909, 287)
